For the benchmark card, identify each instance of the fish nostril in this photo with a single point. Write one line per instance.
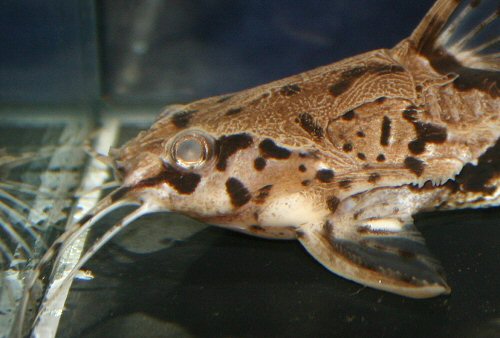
(119, 169)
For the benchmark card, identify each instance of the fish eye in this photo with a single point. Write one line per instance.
(191, 149)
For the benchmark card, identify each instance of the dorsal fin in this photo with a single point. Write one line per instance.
(431, 26)
(463, 37)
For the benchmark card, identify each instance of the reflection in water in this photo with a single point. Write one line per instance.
(18, 234)
(40, 171)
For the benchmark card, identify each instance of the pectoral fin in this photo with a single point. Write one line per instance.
(385, 253)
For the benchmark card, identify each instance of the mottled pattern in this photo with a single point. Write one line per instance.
(344, 155)
(340, 157)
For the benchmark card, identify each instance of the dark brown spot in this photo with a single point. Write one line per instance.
(445, 63)
(332, 203)
(347, 147)
(259, 163)
(416, 147)
(257, 228)
(386, 131)
(349, 115)
(325, 175)
(262, 194)
(269, 149)
(345, 184)
(234, 111)
(229, 145)
(340, 87)
(381, 100)
(310, 126)
(290, 90)
(430, 133)
(306, 183)
(426, 133)
(415, 165)
(183, 182)
(302, 168)
(410, 114)
(362, 156)
(477, 178)
(347, 78)
(374, 177)
(380, 158)
(354, 72)
(363, 229)
(182, 118)
(237, 191)
(360, 134)
(328, 228)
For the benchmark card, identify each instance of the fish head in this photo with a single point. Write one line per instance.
(194, 162)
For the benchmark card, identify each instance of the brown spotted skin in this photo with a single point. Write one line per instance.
(410, 121)
(379, 102)
(381, 119)
(340, 157)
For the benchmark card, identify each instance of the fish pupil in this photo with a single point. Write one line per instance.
(190, 151)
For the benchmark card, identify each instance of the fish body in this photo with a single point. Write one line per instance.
(340, 157)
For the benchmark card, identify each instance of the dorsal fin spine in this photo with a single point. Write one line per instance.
(466, 31)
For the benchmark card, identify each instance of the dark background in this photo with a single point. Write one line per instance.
(62, 52)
